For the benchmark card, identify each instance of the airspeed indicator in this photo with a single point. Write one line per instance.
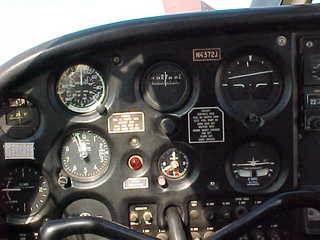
(81, 88)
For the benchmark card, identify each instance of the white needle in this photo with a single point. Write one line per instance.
(165, 78)
(251, 74)
(81, 81)
(82, 147)
(11, 190)
(253, 164)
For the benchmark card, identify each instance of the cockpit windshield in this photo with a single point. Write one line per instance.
(37, 21)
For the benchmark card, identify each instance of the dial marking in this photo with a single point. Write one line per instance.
(11, 190)
(251, 74)
(261, 84)
(239, 85)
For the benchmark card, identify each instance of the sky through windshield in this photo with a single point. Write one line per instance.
(25, 24)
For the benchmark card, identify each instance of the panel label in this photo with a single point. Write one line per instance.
(206, 125)
(313, 100)
(206, 54)
(136, 183)
(19, 151)
(126, 122)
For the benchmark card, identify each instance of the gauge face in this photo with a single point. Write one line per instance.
(249, 85)
(87, 208)
(255, 165)
(166, 87)
(174, 163)
(19, 117)
(24, 191)
(81, 88)
(85, 155)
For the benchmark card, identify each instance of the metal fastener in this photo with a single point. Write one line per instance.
(309, 44)
(282, 41)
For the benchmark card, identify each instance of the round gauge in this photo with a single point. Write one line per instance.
(165, 86)
(87, 208)
(19, 117)
(85, 155)
(254, 165)
(81, 88)
(249, 85)
(24, 191)
(174, 163)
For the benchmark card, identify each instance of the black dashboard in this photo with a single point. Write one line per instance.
(213, 113)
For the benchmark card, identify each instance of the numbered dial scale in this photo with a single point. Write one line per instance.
(85, 155)
(24, 191)
(174, 163)
(254, 165)
(81, 88)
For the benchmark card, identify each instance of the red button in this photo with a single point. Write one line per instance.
(135, 162)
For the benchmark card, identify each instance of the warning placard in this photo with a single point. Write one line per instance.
(126, 122)
(206, 125)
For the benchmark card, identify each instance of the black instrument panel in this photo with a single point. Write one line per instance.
(142, 126)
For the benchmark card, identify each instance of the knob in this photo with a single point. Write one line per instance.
(194, 214)
(209, 215)
(162, 181)
(226, 214)
(147, 217)
(275, 235)
(315, 123)
(254, 121)
(162, 236)
(208, 234)
(258, 235)
(316, 72)
(244, 237)
(240, 211)
(167, 126)
(195, 236)
(133, 217)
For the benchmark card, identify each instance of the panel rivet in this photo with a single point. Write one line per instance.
(116, 60)
(309, 44)
(282, 41)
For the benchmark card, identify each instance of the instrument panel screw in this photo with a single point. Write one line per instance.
(309, 44)
(64, 182)
(116, 60)
(135, 142)
(282, 41)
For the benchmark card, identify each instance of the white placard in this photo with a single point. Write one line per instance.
(19, 151)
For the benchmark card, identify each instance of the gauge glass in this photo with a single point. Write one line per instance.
(81, 88)
(87, 208)
(85, 155)
(24, 191)
(166, 86)
(174, 163)
(250, 85)
(19, 117)
(255, 165)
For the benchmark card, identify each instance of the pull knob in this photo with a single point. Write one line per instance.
(147, 217)
(133, 217)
